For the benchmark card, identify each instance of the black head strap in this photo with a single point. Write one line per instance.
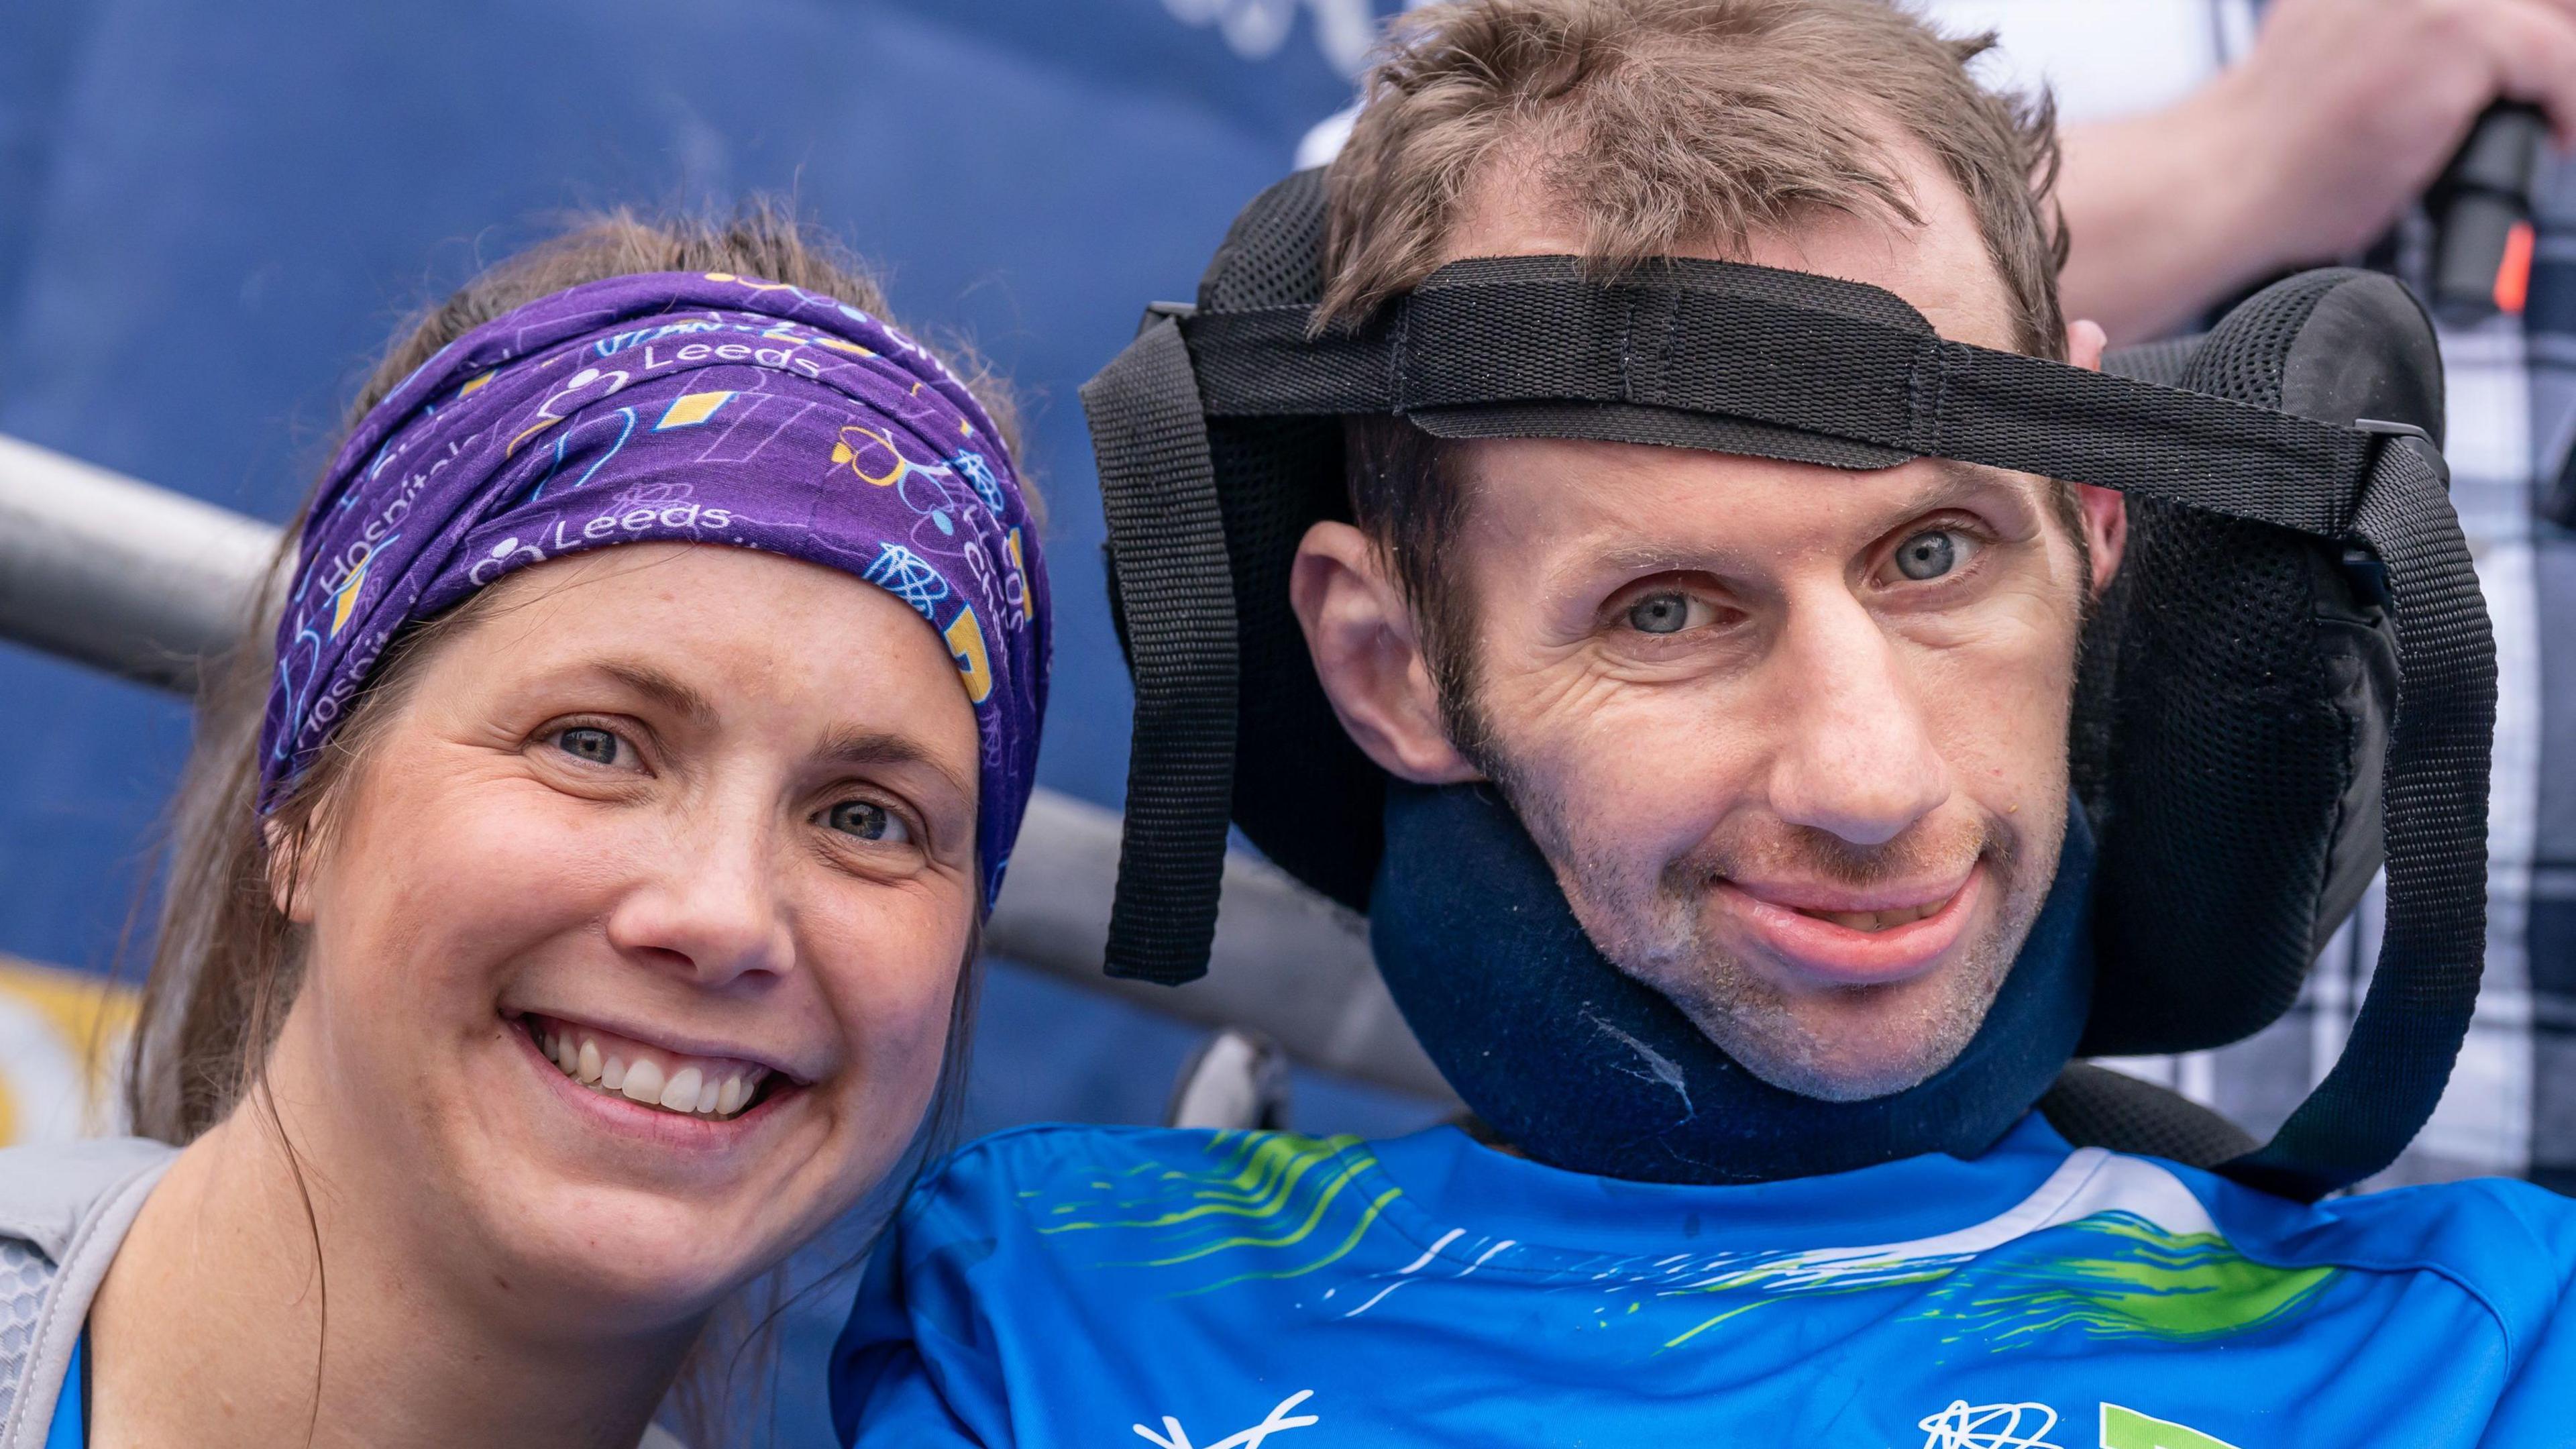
(1176, 606)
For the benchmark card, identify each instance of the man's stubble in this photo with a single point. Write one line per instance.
(1659, 933)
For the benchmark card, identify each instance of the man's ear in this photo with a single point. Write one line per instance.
(1361, 636)
(2105, 511)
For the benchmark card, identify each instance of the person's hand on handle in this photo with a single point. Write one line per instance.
(2344, 111)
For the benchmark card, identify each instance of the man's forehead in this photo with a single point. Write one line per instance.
(1941, 268)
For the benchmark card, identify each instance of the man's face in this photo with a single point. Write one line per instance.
(1793, 739)
(1795, 744)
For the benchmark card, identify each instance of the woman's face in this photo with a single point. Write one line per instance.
(635, 929)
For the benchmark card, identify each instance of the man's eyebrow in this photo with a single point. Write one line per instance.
(1958, 479)
(860, 747)
(660, 687)
(1956, 484)
(1640, 558)
(1952, 482)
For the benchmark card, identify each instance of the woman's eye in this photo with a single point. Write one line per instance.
(868, 821)
(1666, 613)
(589, 742)
(1930, 554)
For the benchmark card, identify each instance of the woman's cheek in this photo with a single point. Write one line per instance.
(521, 837)
(470, 875)
(894, 979)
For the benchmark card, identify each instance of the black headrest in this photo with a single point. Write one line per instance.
(2238, 697)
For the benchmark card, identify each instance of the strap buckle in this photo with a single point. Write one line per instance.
(2363, 568)
(1157, 311)
(2381, 427)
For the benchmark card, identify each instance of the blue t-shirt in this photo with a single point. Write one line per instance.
(1086, 1286)
(68, 1429)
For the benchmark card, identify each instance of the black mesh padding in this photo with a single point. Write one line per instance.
(1318, 818)
(1273, 255)
(2216, 746)
(2240, 680)
(2161, 363)
(2221, 716)
(2096, 1107)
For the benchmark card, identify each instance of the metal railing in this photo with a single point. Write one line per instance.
(144, 583)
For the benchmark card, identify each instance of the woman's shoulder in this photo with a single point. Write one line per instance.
(50, 1190)
(64, 1209)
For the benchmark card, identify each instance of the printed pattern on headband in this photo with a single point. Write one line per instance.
(675, 407)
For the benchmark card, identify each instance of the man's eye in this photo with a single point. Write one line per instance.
(868, 821)
(1929, 554)
(1666, 613)
(589, 742)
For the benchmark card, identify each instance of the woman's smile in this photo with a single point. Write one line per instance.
(664, 1130)
(709, 1086)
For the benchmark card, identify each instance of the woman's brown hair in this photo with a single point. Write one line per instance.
(226, 962)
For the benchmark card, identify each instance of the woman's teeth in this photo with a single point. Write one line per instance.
(675, 1084)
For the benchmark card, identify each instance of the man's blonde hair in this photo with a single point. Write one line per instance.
(1654, 123)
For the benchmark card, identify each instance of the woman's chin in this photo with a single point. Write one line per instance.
(611, 1205)
(635, 1251)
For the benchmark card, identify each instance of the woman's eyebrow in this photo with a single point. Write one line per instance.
(853, 746)
(660, 687)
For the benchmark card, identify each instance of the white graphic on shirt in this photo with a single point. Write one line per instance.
(1406, 1274)
(1276, 1421)
(2089, 1182)
(1989, 1426)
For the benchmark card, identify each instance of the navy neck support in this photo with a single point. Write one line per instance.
(1584, 1068)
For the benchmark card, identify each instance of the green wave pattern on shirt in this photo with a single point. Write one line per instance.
(2112, 1275)
(2127, 1279)
(1273, 1206)
(1271, 1198)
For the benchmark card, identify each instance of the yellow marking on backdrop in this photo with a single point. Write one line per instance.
(91, 1016)
(471, 388)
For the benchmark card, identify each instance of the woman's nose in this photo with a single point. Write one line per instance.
(1855, 758)
(711, 906)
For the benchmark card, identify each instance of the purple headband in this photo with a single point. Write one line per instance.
(675, 406)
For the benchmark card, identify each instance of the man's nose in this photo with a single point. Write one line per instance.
(711, 906)
(1855, 758)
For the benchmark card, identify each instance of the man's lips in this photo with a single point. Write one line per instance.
(1825, 931)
